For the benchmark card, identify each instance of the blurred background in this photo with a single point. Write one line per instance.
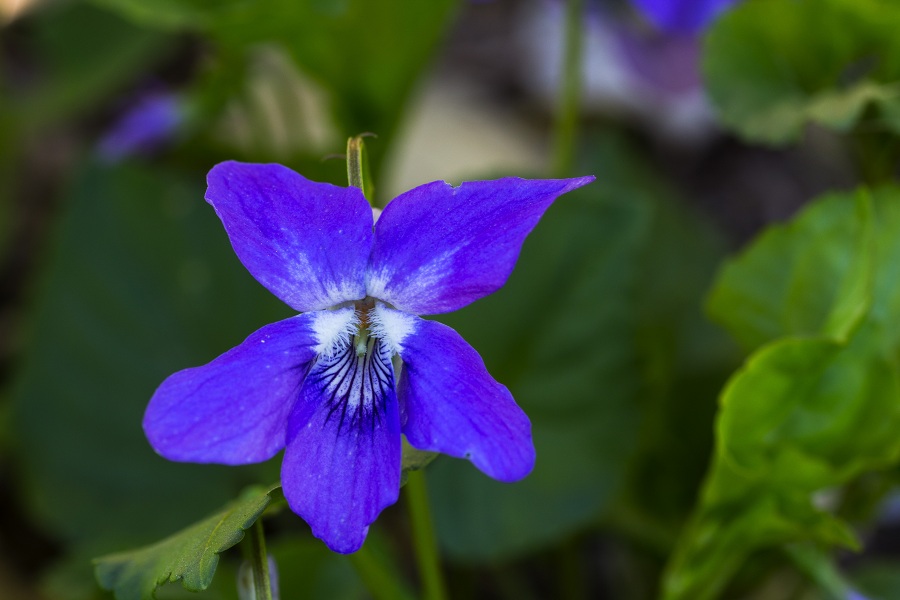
(115, 273)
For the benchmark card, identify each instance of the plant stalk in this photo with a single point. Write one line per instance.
(424, 540)
(570, 84)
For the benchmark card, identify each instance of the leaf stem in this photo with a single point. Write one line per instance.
(569, 92)
(424, 540)
(259, 560)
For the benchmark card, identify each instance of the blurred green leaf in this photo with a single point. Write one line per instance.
(599, 301)
(366, 54)
(772, 66)
(308, 569)
(560, 335)
(170, 14)
(85, 54)
(811, 410)
(142, 282)
(879, 580)
(191, 555)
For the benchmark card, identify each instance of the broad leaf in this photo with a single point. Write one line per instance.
(787, 282)
(771, 66)
(807, 412)
(142, 283)
(189, 556)
(570, 334)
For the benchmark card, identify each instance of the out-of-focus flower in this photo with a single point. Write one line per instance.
(148, 126)
(682, 16)
(322, 384)
(629, 69)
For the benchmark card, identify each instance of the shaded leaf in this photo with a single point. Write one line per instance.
(142, 283)
(771, 67)
(344, 46)
(111, 53)
(569, 334)
(189, 556)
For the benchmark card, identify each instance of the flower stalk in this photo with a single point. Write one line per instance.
(425, 543)
(358, 167)
(259, 562)
(569, 91)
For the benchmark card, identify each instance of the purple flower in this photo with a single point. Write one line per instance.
(146, 127)
(322, 384)
(682, 16)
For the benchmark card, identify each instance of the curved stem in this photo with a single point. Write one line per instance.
(569, 92)
(427, 556)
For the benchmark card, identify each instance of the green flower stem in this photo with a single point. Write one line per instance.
(378, 576)
(358, 167)
(423, 537)
(259, 560)
(569, 92)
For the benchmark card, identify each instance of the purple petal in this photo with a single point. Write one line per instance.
(234, 410)
(149, 125)
(452, 404)
(438, 248)
(682, 16)
(342, 463)
(306, 242)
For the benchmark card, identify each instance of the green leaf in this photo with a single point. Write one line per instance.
(567, 335)
(878, 580)
(785, 283)
(169, 14)
(189, 556)
(111, 52)
(343, 45)
(811, 410)
(772, 67)
(142, 282)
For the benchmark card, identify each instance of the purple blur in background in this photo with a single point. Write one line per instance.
(147, 127)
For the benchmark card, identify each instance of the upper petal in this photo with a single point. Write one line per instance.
(452, 404)
(234, 410)
(438, 247)
(342, 463)
(306, 242)
(682, 16)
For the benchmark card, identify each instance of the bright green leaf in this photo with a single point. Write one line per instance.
(811, 410)
(789, 281)
(773, 66)
(189, 556)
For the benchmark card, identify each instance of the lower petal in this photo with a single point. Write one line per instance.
(234, 410)
(453, 405)
(342, 463)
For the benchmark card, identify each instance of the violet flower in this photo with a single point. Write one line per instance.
(682, 16)
(149, 125)
(322, 384)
